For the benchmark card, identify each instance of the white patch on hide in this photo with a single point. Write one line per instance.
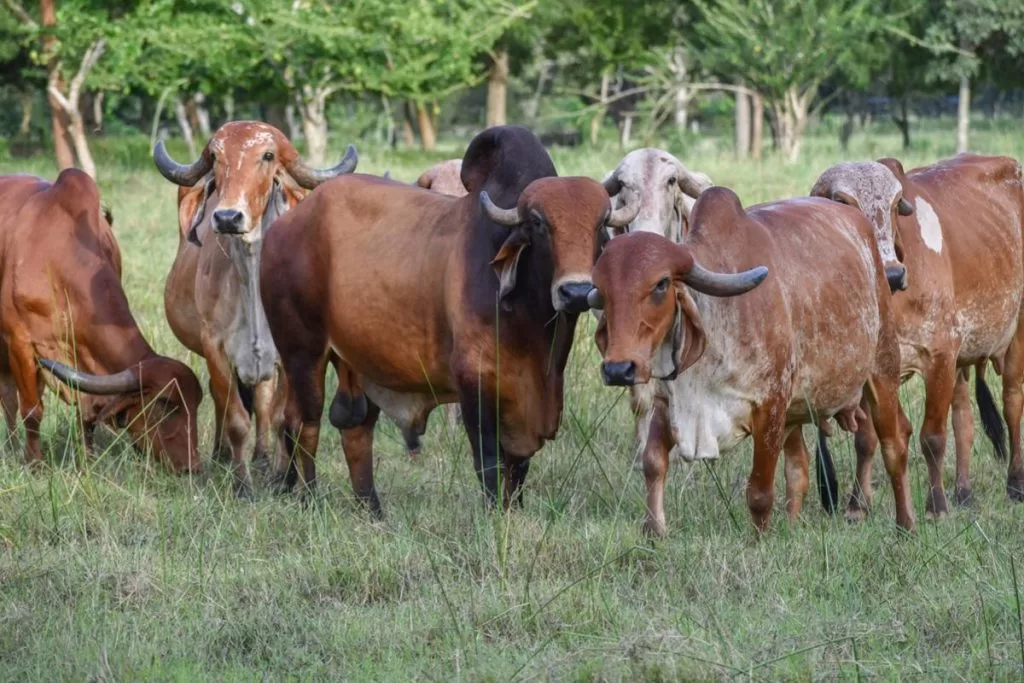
(931, 229)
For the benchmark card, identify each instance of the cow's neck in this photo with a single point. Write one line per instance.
(249, 345)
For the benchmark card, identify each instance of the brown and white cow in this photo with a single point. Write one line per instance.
(248, 174)
(62, 306)
(958, 224)
(807, 342)
(432, 299)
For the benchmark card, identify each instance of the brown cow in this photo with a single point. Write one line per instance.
(761, 364)
(61, 298)
(248, 175)
(432, 299)
(959, 223)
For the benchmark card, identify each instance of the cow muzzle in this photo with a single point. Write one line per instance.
(571, 296)
(229, 222)
(619, 374)
(897, 277)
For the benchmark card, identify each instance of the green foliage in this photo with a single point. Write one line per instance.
(973, 32)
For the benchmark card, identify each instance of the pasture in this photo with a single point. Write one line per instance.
(112, 569)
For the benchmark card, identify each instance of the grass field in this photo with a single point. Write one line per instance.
(116, 570)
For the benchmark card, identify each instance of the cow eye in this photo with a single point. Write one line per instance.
(661, 287)
(268, 156)
(671, 181)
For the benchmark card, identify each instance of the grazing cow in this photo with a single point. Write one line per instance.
(762, 364)
(62, 305)
(434, 299)
(958, 224)
(444, 177)
(248, 175)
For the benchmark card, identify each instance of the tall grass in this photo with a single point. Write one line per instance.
(117, 570)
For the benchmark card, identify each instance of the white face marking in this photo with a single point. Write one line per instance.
(931, 229)
(258, 138)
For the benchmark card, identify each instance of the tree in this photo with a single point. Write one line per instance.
(785, 49)
(980, 31)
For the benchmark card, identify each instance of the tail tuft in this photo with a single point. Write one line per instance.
(991, 420)
(828, 486)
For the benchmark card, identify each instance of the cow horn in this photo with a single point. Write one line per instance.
(724, 284)
(595, 299)
(179, 174)
(904, 208)
(104, 385)
(624, 215)
(308, 178)
(509, 217)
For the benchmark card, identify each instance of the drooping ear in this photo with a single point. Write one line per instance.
(198, 196)
(118, 410)
(685, 342)
(506, 261)
(277, 205)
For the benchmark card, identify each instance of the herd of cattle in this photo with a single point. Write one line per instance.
(465, 288)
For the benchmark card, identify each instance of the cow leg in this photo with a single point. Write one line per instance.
(938, 390)
(1013, 406)
(221, 450)
(893, 430)
(357, 443)
(769, 431)
(865, 441)
(515, 471)
(655, 463)
(963, 435)
(266, 411)
(481, 424)
(235, 418)
(9, 405)
(304, 409)
(797, 469)
(30, 404)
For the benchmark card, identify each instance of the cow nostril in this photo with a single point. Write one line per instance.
(897, 278)
(621, 374)
(228, 220)
(574, 295)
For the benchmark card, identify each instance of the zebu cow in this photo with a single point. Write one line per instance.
(434, 299)
(444, 177)
(958, 224)
(247, 176)
(761, 364)
(61, 298)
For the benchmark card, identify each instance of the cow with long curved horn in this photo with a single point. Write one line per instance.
(725, 363)
(248, 175)
(121, 381)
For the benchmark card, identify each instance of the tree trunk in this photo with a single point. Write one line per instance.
(193, 115)
(312, 107)
(390, 135)
(963, 114)
(408, 131)
(682, 108)
(229, 107)
(626, 130)
(186, 128)
(155, 130)
(202, 115)
(757, 127)
(742, 125)
(532, 106)
(791, 120)
(292, 122)
(497, 89)
(602, 108)
(69, 103)
(97, 112)
(58, 117)
(81, 143)
(427, 136)
(25, 127)
(903, 122)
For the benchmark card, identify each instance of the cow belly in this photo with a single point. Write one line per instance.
(986, 330)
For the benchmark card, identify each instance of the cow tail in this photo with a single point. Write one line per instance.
(991, 420)
(828, 486)
(246, 394)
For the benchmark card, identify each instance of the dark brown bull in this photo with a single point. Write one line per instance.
(62, 305)
(432, 299)
(959, 224)
(761, 364)
(248, 175)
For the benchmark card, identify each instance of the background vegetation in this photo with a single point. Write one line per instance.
(112, 569)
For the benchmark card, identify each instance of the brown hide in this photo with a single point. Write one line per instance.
(65, 303)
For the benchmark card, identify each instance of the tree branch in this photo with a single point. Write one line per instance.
(51, 86)
(89, 59)
(19, 11)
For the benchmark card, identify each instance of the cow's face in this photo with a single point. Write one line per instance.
(444, 177)
(874, 189)
(563, 221)
(163, 420)
(248, 174)
(663, 187)
(651, 327)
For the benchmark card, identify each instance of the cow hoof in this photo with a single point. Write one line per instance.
(654, 529)
(413, 453)
(963, 497)
(936, 506)
(855, 515)
(243, 490)
(221, 454)
(1015, 489)
(347, 412)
